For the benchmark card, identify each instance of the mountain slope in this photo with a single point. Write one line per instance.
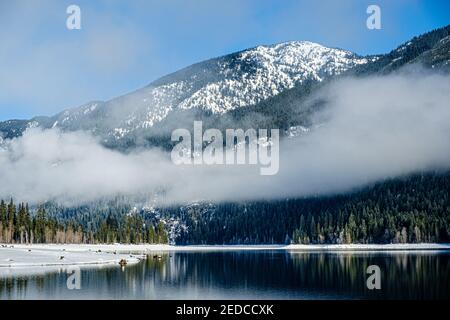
(431, 49)
(216, 86)
(259, 87)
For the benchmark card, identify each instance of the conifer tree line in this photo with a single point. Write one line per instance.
(18, 225)
(405, 210)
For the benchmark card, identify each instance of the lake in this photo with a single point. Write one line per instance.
(265, 274)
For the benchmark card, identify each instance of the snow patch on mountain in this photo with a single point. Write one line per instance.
(273, 70)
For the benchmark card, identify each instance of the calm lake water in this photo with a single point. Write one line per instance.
(246, 275)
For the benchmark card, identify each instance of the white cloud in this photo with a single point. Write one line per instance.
(371, 129)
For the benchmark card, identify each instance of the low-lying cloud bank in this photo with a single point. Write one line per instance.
(370, 129)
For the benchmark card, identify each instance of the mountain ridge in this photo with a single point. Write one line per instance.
(217, 85)
(264, 81)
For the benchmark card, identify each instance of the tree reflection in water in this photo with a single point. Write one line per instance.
(247, 274)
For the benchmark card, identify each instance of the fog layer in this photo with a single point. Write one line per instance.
(369, 129)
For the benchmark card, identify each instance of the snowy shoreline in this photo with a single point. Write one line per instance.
(20, 255)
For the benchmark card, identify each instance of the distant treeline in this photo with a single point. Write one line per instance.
(413, 209)
(18, 225)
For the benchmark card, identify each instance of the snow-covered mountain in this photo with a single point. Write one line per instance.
(265, 82)
(251, 76)
(217, 86)
(431, 50)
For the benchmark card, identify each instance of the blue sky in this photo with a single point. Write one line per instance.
(125, 44)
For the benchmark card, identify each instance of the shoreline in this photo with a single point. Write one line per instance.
(54, 255)
(119, 247)
(35, 255)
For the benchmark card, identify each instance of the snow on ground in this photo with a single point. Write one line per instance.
(60, 255)
(38, 259)
(36, 271)
(12, 256)
(371, 247)
(115, 252)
